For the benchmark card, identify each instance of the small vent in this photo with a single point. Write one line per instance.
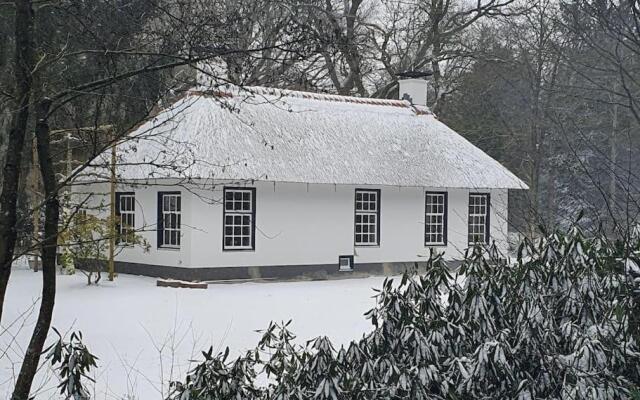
(345, 263)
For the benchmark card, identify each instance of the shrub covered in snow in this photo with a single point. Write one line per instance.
(73, 362)
(561, 322)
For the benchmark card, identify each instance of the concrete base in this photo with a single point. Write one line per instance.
(269, 272)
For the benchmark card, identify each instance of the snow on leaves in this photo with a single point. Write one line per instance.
(560, 322)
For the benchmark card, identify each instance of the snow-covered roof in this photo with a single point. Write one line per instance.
(277, 135)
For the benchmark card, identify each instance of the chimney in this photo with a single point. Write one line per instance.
(413, 87)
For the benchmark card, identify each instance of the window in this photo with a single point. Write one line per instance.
(345, 263)
(479, 218)
(367, 217)
(239, 218)
(435, 219)
(169, 219)
(125, 218)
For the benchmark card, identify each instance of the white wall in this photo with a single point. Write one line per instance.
(298, 224)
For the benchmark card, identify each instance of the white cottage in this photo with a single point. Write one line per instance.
(264, 183)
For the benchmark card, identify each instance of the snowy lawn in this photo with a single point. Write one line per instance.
(142, 333)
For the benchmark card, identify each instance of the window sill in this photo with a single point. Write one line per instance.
(367, 245)
(169, 248)
(237, 250)
(435, 245)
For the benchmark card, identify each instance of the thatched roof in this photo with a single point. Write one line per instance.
(276, 135)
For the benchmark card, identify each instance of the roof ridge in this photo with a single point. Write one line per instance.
(231, 91)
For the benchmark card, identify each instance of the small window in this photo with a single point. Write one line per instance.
(125, 218)
(367, 218)
(435, 219)
(479, 204)
(169, 219)
(345, 263)
(239, 219)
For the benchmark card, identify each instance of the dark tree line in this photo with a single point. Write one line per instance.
(557, 88)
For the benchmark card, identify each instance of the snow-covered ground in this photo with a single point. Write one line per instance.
(145, 335)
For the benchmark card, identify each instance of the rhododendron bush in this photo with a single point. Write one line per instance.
(560, 321)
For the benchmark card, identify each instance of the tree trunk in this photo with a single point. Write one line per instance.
(15, 146)
(437, 15)
(613, 159)
(49, 247)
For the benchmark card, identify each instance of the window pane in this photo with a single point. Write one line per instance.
(435, 221)
(237, 218)
(478, 217)
(366, 217)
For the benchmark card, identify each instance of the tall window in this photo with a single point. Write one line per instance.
(125, 218)
(479, 204)
(169, 219)
(367, 226)
(435, 219)
(239, 218)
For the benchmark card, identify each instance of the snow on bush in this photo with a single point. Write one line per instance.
(559, 323)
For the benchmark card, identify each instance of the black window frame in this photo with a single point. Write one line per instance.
(355, 216)
(346, 257)
(160, 226)
(445, 219)
(487, 221)
(252, 190)
(118, 222)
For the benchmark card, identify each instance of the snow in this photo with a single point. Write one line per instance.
(126, 322)
(631, 267)
(286, 136)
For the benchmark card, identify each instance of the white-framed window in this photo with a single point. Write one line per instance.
(435, 219)
(169, 219)
(479, 204)
(125, 218)
(239, 214)
(345, 263)
(367, 217)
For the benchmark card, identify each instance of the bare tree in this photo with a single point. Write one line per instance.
(429, 35)
(91, 74)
